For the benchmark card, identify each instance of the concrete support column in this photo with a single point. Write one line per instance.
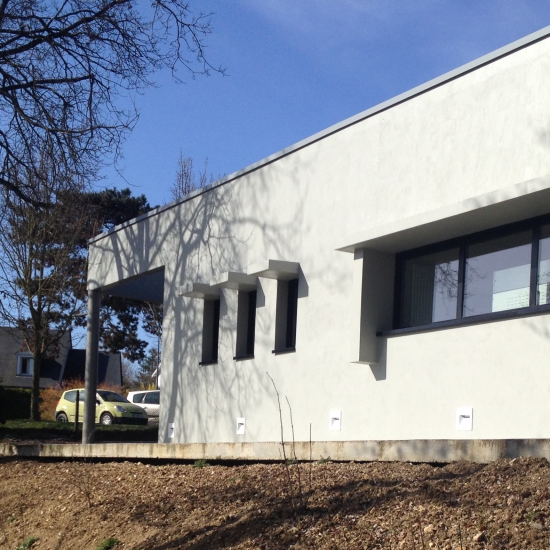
(372, 308)
(355, 308)
(90, 382)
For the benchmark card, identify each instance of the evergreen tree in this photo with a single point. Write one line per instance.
(148, 368)
(43, 260)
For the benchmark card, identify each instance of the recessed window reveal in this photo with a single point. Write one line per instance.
(479, 274)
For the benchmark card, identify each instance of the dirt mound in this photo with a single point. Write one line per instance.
(78, 505)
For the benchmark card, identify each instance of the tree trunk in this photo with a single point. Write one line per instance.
(35, 394)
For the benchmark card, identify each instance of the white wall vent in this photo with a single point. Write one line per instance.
(335, 422)
(241, 425)
(464, 419)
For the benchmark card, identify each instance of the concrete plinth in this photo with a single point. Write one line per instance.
(479, 450)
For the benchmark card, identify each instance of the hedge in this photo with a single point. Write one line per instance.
(15, 403)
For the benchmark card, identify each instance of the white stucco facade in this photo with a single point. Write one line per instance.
(465, 153)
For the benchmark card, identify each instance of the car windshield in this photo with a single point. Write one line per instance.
(112, 397)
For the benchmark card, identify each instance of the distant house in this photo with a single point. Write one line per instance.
(109, 367)
(17, 363)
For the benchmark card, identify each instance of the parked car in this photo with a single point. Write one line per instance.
(111, 408)
(148, 400)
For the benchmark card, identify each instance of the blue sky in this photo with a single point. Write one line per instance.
(296, 67)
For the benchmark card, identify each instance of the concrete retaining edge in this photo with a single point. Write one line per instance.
(420, 450)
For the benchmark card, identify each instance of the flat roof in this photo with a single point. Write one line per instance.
(384, 106)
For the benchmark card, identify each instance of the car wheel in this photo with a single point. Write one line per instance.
(62, 417)
(106, 419)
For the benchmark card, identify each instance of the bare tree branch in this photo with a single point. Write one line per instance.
(67, 68)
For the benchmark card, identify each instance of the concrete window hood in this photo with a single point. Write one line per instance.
(200, 291)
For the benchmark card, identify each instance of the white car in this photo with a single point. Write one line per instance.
(148, 400)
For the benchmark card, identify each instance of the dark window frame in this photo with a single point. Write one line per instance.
(534, 225)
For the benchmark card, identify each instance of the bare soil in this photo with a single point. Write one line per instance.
(78, 505)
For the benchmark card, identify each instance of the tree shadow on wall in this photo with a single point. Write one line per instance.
(194, 240)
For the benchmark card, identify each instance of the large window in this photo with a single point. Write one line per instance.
(543, 272)
(498, 274)
(483, 274)
(430, 285)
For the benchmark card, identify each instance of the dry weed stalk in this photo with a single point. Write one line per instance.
(298, 497)
(81, 479)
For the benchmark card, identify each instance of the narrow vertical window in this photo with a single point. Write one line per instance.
(246, 324)
(251, 323)
(291, 313)
(286, 315)
(210, 331)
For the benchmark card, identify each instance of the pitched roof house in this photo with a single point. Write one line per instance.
(389, 275)
(17, 364)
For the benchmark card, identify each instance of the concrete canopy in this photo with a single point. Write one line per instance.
(147, 287)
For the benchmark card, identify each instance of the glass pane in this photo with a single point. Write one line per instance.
(498, 274)
(26, 366)
(543, 286)
(71, 396)
(430, 285)
(152, 398)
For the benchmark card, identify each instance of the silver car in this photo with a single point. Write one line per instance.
(148, 400)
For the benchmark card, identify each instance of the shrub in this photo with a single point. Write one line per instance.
(108, 544)
(27, 544)
(16, 403)
(49, 397)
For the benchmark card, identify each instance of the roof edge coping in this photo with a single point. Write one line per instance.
(486, 59)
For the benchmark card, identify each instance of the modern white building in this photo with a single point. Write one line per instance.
(390, 275)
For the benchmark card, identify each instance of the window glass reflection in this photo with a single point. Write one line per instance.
(429, 289)
(543, 284)
(497, 274)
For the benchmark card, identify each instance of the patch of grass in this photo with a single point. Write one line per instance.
(27, 424)
(324, 460)
(532, 516)
(123, 432)
(27, 544)
(201, 463)
(107, 544)
(47, 429)
(30, 429)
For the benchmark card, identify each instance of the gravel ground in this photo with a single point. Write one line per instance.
(78, 505)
